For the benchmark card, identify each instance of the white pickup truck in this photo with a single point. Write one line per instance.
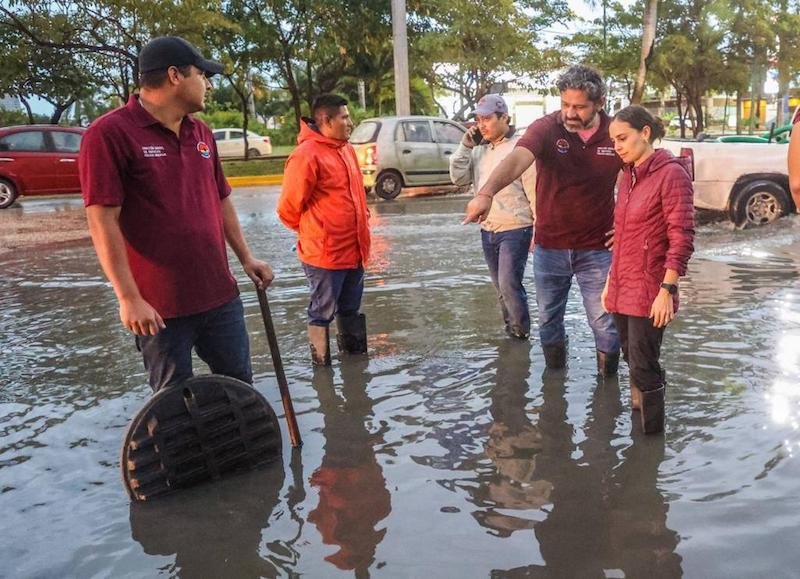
(749, 181)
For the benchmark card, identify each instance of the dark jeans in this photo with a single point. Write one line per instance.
(552, 272)
(641, 346)
(333, 291)
(218, 336)
(506, 254)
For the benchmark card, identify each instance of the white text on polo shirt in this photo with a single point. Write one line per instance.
(606, 151)
(154, 151)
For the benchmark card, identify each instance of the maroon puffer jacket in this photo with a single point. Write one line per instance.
(654, 231)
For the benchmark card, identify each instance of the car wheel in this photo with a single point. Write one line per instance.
(253, 152)
(758, 203)
(388, 186)
(8, 193)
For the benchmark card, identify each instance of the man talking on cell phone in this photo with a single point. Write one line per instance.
(507, 231)
(576, 169)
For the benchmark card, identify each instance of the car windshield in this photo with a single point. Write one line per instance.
(365, 133)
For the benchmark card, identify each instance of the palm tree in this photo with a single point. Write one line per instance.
(648, 38)
(604, 3)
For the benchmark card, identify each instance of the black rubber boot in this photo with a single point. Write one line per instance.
(352, 333)
(607, 364)
(555, 356)
(653, 410)
(319, 343)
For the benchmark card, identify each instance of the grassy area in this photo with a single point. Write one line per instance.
(253, 168)
(282, 149)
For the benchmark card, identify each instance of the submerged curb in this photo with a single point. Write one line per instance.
(255, 180)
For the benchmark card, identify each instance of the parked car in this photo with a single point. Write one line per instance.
(675, 123)
(230, 143)
(749, 181)
(38, 160)
(397, 152)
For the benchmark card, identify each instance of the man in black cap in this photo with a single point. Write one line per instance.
(160, 214)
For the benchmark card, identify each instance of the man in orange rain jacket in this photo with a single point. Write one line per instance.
(324, 201)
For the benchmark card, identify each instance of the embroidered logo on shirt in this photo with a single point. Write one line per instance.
(152, 151)
(204, 150)
(606, 151)
(562, 146)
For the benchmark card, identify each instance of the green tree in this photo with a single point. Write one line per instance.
(688, 55)
(473, 46)
(615, 55)
(110, 32)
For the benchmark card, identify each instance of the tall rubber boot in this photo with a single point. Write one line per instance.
(351, 333)
(607, 364)
(636, 397)
(653, 411)
(555, 356)
(320, 349)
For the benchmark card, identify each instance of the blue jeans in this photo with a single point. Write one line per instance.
(552, 272)
(333, 291)
(218, 336)
(506, 255)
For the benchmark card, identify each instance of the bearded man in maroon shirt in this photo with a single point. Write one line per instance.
(576, 169)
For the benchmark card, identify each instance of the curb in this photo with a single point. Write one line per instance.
(255, 180)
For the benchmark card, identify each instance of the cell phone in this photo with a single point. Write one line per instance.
(477, 137)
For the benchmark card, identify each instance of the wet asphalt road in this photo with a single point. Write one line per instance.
(450, 452)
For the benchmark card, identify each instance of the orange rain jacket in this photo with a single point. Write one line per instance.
(324, 201)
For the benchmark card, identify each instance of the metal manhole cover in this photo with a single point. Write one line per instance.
(200, 430)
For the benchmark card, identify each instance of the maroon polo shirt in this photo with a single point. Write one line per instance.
(170, 190)
(574, 183)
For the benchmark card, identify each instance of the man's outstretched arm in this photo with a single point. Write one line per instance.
(506, 172)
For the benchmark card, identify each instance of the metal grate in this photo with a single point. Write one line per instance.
(200, 430)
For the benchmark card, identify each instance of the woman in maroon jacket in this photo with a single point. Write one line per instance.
(653, 241)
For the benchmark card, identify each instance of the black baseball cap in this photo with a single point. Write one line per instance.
(165, 51)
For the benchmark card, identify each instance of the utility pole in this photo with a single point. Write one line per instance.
(402, 95)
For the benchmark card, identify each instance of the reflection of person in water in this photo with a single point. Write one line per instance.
(353, 497)
(213, 530)
(603, 513)
(512, 445)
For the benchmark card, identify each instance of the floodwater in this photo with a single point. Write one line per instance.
(450, 452)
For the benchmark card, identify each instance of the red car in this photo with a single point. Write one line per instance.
(38, 160)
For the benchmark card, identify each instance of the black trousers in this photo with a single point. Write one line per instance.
(641, 348)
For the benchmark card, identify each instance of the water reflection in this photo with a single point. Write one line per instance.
(490, 464)
(214, 530)
(513, 444)
(604, 513)
(353, 498)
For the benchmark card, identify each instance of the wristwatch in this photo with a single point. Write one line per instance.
(672, 288)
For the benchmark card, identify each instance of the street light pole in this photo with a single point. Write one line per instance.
(402, 96)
